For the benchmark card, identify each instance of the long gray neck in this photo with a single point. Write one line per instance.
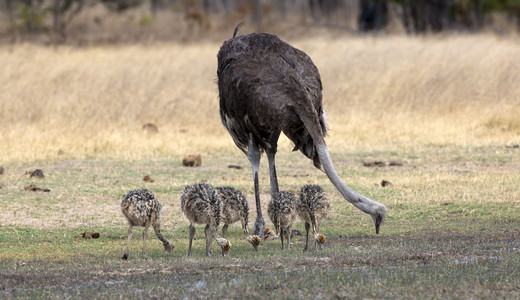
(363, 203)
(157, 230)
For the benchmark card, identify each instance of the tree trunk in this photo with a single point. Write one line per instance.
(257, 15)
(154, 6)
(478, 15)
(373, 15)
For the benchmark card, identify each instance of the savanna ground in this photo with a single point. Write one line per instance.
(447, 107)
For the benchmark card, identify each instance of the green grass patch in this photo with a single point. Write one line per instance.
(451, 231)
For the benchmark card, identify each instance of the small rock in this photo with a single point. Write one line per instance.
(1, 170)
(34, 188)
(375, 163)
(36, 173)
(147, 178)
(192, 161)
(396, 163)
(90, 235)
(385, 183)
(150, 128)
(379, 163)
(301, 175)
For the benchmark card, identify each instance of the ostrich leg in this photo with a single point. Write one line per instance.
(253, 154)
(224, 230)
(281, 235)
(192, 234)
(130, 233)
(307, 227)
(208, 233)
(273, 141)
(316, 242)
(145, 237)
(288, 232)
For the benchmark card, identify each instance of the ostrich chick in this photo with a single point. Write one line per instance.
(235, 208)
(141, 208)
(312, 208)
(201, 204)
(282, 212)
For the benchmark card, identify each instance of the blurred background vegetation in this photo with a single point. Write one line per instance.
(108, 21)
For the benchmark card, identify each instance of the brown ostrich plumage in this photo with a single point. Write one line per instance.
(282, 212)
(234, 209)
(267, 87)
(201, 204)
(141, 208)
(313, 207)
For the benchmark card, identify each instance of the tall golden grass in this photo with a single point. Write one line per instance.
(379, 93)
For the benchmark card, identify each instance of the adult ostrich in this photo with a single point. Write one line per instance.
(266, 87)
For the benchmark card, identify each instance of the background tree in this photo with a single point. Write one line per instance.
(47, 17)
(373, 14)
(64, 11)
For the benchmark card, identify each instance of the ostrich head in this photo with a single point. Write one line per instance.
(168, 246)
(320, 238)
(254, 240)
(224, 244)
(378, 215)
(295, 232)
(269, 234)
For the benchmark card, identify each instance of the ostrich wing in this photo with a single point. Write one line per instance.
(264, 85)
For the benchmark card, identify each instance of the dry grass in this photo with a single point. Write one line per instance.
(447, 106)
(481, 182)
(379, 92)
(452, 229)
